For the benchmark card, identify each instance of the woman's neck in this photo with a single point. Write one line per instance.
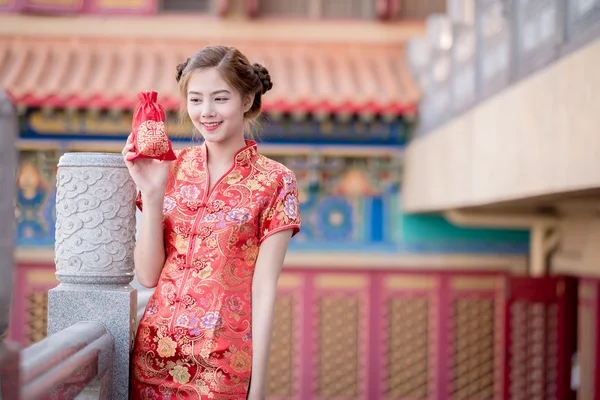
(220, 155)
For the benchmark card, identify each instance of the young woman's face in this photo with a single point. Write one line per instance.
(215, 108)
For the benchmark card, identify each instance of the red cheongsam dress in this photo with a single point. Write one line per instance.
(195, 339)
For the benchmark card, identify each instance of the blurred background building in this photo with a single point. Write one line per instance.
(447, 268)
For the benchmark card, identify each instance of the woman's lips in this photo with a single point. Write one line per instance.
(211, 126)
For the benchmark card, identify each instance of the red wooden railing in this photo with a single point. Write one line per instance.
(412, 335)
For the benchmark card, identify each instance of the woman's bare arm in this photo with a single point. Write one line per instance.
(149, 253)
(264, 289)
(150, 176)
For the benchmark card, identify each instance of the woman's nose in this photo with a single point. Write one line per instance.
(207, 109)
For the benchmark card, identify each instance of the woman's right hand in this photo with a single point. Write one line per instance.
(150, 176)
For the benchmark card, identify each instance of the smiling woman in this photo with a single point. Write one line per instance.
(221, 76)
(216, 224)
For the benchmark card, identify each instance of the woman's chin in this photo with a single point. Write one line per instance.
(219, 135)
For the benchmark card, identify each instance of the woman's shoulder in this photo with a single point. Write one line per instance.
(273, 166)
(277, 171)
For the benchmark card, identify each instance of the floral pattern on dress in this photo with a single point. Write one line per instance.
(194, 340)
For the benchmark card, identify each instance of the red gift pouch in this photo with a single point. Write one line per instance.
(149, 129)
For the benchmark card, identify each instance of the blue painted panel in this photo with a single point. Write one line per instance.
(332, 221)
(36, 198)
(376, 219)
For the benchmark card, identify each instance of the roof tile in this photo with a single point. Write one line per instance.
(107, 73)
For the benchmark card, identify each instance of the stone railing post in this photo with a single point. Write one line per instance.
(9, 356)
(95, 238)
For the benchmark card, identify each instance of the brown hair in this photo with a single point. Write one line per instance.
(248, 79)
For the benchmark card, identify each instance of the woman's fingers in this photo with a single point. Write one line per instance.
(129, 155)
(128, 152)
(128, 148)
(128, 145)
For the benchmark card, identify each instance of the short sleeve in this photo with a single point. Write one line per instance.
(283, 211)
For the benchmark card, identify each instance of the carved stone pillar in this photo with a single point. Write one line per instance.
(95, 238)
(9, 359)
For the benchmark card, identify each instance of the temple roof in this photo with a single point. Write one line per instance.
(106, 73)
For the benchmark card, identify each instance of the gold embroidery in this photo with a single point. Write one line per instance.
(180, 374)
(166, 347)
(181, 243)
(234, 177)
(253, 184)
(152, 138)
(241, 361)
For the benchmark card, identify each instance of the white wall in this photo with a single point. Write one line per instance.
(539, 137)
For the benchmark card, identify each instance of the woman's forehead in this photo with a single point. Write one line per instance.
(207, 81)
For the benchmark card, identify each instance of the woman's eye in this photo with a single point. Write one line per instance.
(221, 99)
(195, 100)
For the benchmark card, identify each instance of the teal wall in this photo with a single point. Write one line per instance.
(436, 227)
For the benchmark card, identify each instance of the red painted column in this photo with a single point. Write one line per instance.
(541, 323)
(376, 361)
(309, 329)
(387, 9)
(382, 8)
(252, 8)
(222, 7)
(443, 330)
(589, 339)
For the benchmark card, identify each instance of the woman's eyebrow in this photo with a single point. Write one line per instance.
(216, 92)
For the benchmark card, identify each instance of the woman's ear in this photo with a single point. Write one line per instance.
(248, 100)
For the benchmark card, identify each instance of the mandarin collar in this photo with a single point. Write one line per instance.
(245, 153)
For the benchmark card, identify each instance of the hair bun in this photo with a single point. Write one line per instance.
(265, 78)
(180, 68)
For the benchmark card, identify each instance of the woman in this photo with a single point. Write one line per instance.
(216, 224)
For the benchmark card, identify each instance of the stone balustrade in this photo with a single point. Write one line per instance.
(77, 359)
(95, 238)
